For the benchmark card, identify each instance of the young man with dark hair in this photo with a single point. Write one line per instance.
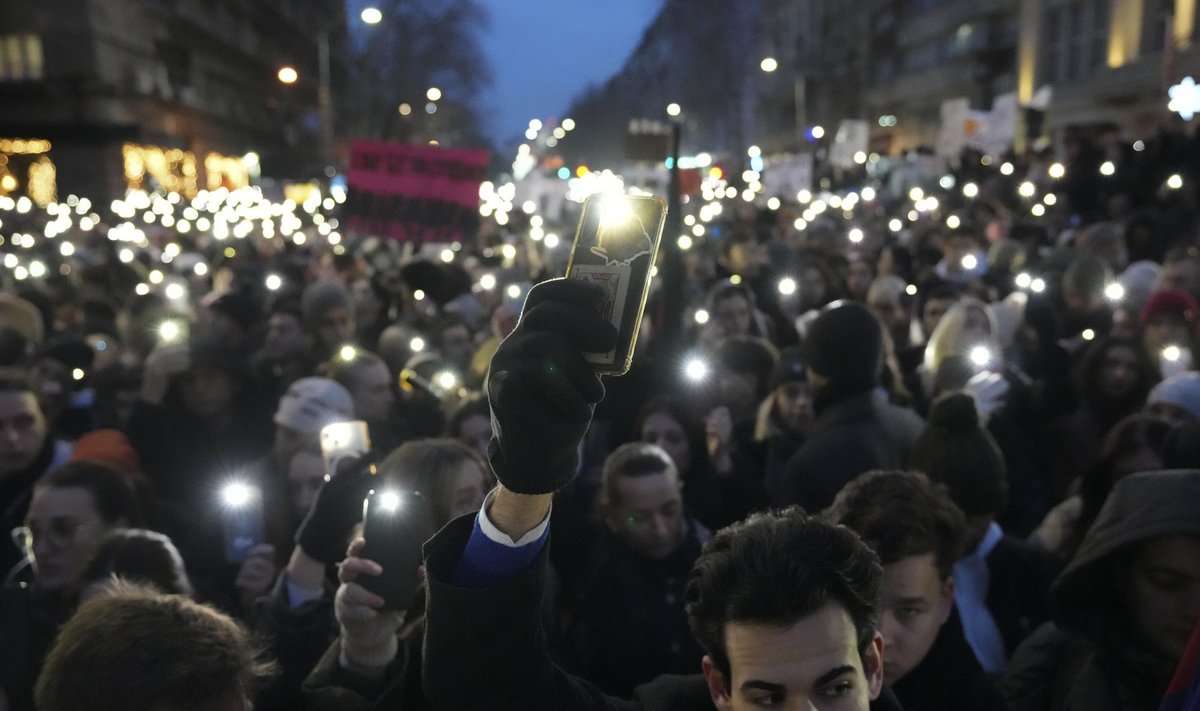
(138, 649)
(629, 623)
(27, 451)
(72, 509)
(783, 604)
(919, 534)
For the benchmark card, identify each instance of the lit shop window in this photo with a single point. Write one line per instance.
(21, 58)
(151, 167)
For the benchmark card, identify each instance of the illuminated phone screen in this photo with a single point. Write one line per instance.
(615, 248)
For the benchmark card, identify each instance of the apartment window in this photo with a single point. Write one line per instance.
(21, 58)
(1101, 17)
(1075, 39)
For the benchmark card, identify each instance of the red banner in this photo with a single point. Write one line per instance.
(413, 193)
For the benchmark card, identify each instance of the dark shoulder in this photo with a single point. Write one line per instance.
(1023, 558)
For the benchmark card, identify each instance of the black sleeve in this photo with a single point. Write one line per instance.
(486, 649)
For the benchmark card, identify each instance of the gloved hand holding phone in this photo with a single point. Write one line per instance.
(542, 391)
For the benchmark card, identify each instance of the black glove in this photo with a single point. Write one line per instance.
(541, 390)
(337, 509)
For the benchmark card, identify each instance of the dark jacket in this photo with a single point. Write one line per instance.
(29, 622)
(329, 687)
(485, 649)
(853, 436)
(1020, 577)
(948, 678)
(629, 622)
(1087, 657)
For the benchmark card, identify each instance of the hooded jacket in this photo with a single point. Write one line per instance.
(1084, 659)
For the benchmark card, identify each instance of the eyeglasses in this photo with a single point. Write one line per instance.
(60, 532)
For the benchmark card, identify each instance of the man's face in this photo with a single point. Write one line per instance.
(793, 402)
(336, 327)
(64, 525)
(285, 336)
(455, 345)
(733, 315)
(858, 279)
(915, 604)
(648, 514)
(1163, 593)
(22, 431)
(1118, 372)
(208, 392)
(665, 431)
(893, 315)
(1181, 274)
(935, 309)
(373, 396)
(475, 432)
(814, 665)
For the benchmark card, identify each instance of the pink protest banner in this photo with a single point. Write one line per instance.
(413, 193)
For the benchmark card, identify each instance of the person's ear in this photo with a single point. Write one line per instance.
(946, 602)
(718, 687)
(873, 666)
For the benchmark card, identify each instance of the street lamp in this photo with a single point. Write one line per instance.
(433, 94)
(768, 64)
(288, 75)
(673, 109)
(370, 16)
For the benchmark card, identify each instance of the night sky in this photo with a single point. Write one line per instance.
(544, 52)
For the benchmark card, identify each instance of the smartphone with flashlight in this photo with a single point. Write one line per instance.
(341, 441)
(243, 524)
(615, 247)
(1173, 360)
(396, 523)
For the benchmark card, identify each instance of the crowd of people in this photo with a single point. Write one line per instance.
(921, 441)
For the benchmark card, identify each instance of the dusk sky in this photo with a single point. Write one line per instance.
(543, 52)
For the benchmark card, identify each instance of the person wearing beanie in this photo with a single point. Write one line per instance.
(855, 430)
(785, 417)
(1123, 609)
(327, 308)
(1176, 399)
(1170, 318)
(1002, 581)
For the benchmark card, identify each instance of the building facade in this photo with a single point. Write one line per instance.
(102, 95)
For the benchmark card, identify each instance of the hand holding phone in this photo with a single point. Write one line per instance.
(395, 525)
(242, 520)
(615, 248)
(341, 441)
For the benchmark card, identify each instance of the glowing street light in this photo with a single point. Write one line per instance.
(768, 64)
(433, 93)
(1185, 98)
(288, 74)
(673, 109)
(371, 15)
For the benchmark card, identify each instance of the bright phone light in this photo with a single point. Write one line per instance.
(615, 211)
(237, 494)
(981, 356)
(1172, 354)
(695, 370)
(170, 331)
(389, 501)
(787, 286)
(1114, 292)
